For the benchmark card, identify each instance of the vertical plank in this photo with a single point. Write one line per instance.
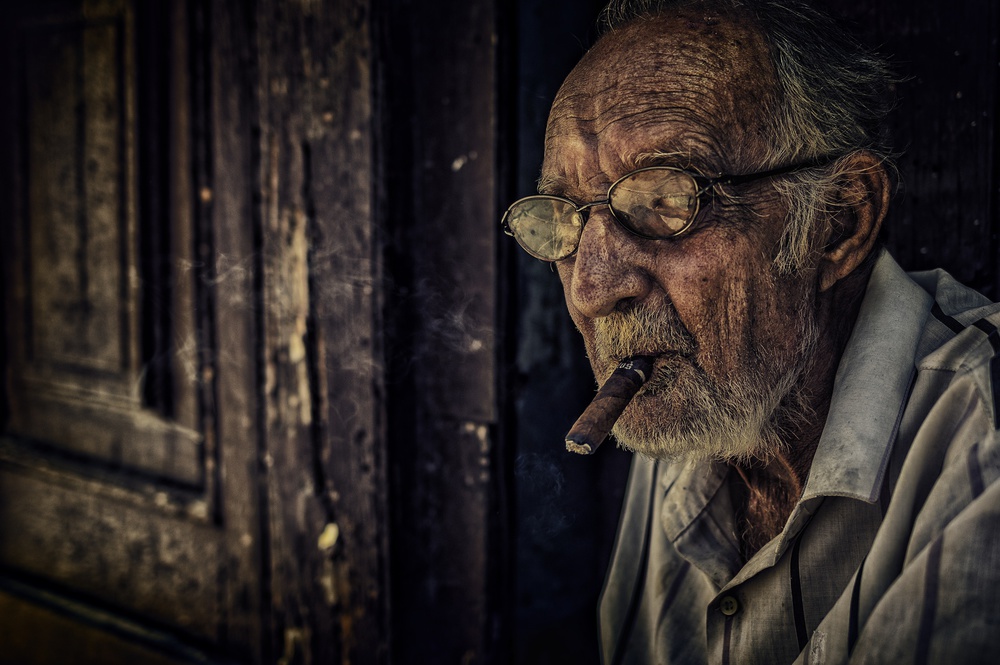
(440, 123)
(296, 612)
(321, 306)
(347, 301)
(223, 91)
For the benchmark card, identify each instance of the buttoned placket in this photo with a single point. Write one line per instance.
(727, 611)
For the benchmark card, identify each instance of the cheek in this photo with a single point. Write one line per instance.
(717, 315)
(564, 269)
(751, 326)
(726, 300)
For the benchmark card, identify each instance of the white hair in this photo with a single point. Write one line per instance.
(833, 99)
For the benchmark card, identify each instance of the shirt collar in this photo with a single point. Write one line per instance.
(869, 394)
(870, 388)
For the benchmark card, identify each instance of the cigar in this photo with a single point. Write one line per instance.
(592, 427)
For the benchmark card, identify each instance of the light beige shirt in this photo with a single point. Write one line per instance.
(892, 555)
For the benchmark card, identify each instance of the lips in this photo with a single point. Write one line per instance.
(667, 366)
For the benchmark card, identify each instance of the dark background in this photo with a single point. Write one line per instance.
(372, 352)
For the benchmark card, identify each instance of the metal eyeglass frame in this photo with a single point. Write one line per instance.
(703, 184)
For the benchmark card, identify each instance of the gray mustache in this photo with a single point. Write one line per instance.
(641, 329)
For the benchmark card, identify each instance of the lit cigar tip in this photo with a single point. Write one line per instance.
(578, 448)
(597, 420)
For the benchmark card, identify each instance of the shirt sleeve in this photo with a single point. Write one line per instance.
(928, 590)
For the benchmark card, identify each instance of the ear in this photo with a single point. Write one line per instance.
(860, 206)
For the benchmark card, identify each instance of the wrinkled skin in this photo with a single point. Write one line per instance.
(693, 89)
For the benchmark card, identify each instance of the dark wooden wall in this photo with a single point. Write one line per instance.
(441, 156)
(944, 127)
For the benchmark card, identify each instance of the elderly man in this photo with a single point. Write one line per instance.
(817, 444)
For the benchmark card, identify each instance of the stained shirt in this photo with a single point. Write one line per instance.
(892, 554)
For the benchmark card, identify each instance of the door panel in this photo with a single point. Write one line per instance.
(120, 549)
(123, 491)
(44, 630)
(76, 368)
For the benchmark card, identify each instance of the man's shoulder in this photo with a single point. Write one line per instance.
(962, 332)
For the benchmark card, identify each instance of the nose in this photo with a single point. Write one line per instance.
(606, 271)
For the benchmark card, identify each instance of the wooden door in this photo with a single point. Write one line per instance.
(129, 512)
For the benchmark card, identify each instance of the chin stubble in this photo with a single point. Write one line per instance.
(748, 417)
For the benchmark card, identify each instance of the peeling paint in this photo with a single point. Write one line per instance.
(328, 581)
(298, 287)
(296, 640)
(328, 539)
(198, 509)
(462, 160)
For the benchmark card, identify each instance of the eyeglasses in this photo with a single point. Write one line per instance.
(656, 203)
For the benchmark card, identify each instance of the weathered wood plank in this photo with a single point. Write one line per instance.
(325, 446)
(224, 183)
(347, 297)
(156, 566)
(39, 634)
(439, 85)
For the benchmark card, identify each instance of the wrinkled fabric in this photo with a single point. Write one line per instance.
(892, 554)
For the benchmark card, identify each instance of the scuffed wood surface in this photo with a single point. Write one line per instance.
(321, 301)
(126, 555)
(224, 183)
(440, 123)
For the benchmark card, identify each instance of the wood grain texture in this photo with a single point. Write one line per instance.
(438, 81)
(321, 305)
(108, 499)
(224, 182)
(124, 554)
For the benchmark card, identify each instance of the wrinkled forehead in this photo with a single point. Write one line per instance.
(696, 72)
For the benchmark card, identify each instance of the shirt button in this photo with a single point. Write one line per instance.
(729, 606)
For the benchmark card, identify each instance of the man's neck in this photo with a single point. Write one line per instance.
(766, 491)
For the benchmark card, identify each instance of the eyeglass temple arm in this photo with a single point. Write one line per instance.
(750, 177)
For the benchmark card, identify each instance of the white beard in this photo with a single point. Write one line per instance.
(682, 412)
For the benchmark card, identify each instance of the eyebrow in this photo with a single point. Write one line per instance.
(680, 160)
(549, 183)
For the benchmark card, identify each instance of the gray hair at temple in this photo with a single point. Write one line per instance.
(834, 97)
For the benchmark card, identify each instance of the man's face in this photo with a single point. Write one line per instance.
(733, 336)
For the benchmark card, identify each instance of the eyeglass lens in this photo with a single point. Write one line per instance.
(546, 228)
(653, 203)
